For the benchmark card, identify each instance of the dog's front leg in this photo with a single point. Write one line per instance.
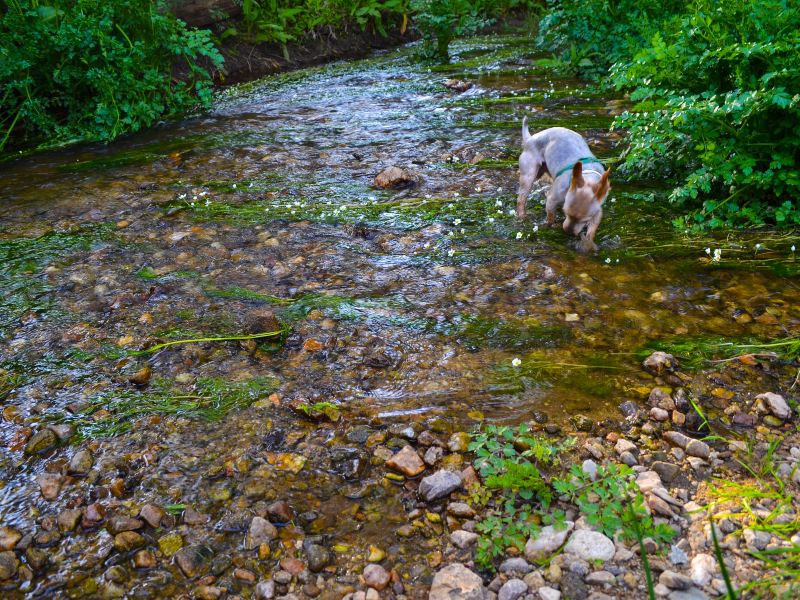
(587, 243)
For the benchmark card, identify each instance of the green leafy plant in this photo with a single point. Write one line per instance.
(443, 20)
(93, 70)
(613, 502)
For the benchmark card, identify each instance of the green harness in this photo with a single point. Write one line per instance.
(584, 160)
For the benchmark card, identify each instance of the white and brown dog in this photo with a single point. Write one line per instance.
(579, 181)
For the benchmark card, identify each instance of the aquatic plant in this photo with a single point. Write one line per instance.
(116, 411)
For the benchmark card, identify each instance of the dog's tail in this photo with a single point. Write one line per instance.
(526, 135)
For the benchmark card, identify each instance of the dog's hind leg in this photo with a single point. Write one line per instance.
(529, 165)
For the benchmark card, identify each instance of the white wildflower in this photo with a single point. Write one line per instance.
(457, 222)
(451, 252)
(516, 362)
(519, 235)
(608, 261)
(717, 255)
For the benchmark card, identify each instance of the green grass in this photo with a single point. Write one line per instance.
(698, 352)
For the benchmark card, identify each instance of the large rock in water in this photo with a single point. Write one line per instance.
(439, 485)
(395, 177)
(456, 582)
(407, 462)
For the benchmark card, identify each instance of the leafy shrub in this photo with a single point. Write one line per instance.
(284, 21)
(591, 35)
(719, 107)
(92, 70)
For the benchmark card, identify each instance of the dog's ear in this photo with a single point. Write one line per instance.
(602, 187)
(577, 176)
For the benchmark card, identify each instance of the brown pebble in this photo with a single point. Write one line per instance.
(144, 559)
(244, 575)
(294, 566)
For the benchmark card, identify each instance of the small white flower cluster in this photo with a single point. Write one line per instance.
(516, 362)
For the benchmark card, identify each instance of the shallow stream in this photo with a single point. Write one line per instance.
(404, 309)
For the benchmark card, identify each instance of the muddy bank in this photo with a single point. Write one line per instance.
(247, 61)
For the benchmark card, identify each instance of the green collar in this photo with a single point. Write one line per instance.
(584, 160)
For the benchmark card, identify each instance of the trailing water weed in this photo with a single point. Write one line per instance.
(113, 412)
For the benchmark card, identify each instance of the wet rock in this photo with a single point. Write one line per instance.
(659, 414)
(775, 404)
(407, 462)
(590, 545)
(375, 576)
(8, 565)
(590, 468)
(582, 423)
(117, 574)
(457, 85)
(295, 566)
(62, 430)
(37, 558)
(666, 471)
(119, 524)
(661, 399)
(41, 441)
(81, 463)
(9, 538)
(152, 514)
(375, 554)
(658, 362)
(512, 590)
(207, 592)
(433, 455)
(127, 541)
(192, 560)
(144, 559)
(515, 565)
(318, 557)
(93, 514)
(440, 484)
(170, 544)
(280, 512)
(50, 485)
(629, 408)
(457, 581)
(458, 442)
(265, 590)
(192, 517)
(350, 463)
(462, 510)
(395, 178)
(261, 532)
(548, 541)
(261, 320)
(142, 377)
(675, 581)
(743, 419)
(463, 539)
(244, 575)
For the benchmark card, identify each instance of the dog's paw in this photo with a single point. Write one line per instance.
(586, 246)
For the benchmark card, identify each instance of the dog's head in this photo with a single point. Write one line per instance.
(584, 200)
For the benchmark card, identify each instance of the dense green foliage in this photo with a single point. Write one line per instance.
(716, 85)
(92, 70)
(523, 473)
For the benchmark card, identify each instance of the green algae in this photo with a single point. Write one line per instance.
(113, 412)
(23, 289)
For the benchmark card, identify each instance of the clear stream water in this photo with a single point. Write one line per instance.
(405, 308)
